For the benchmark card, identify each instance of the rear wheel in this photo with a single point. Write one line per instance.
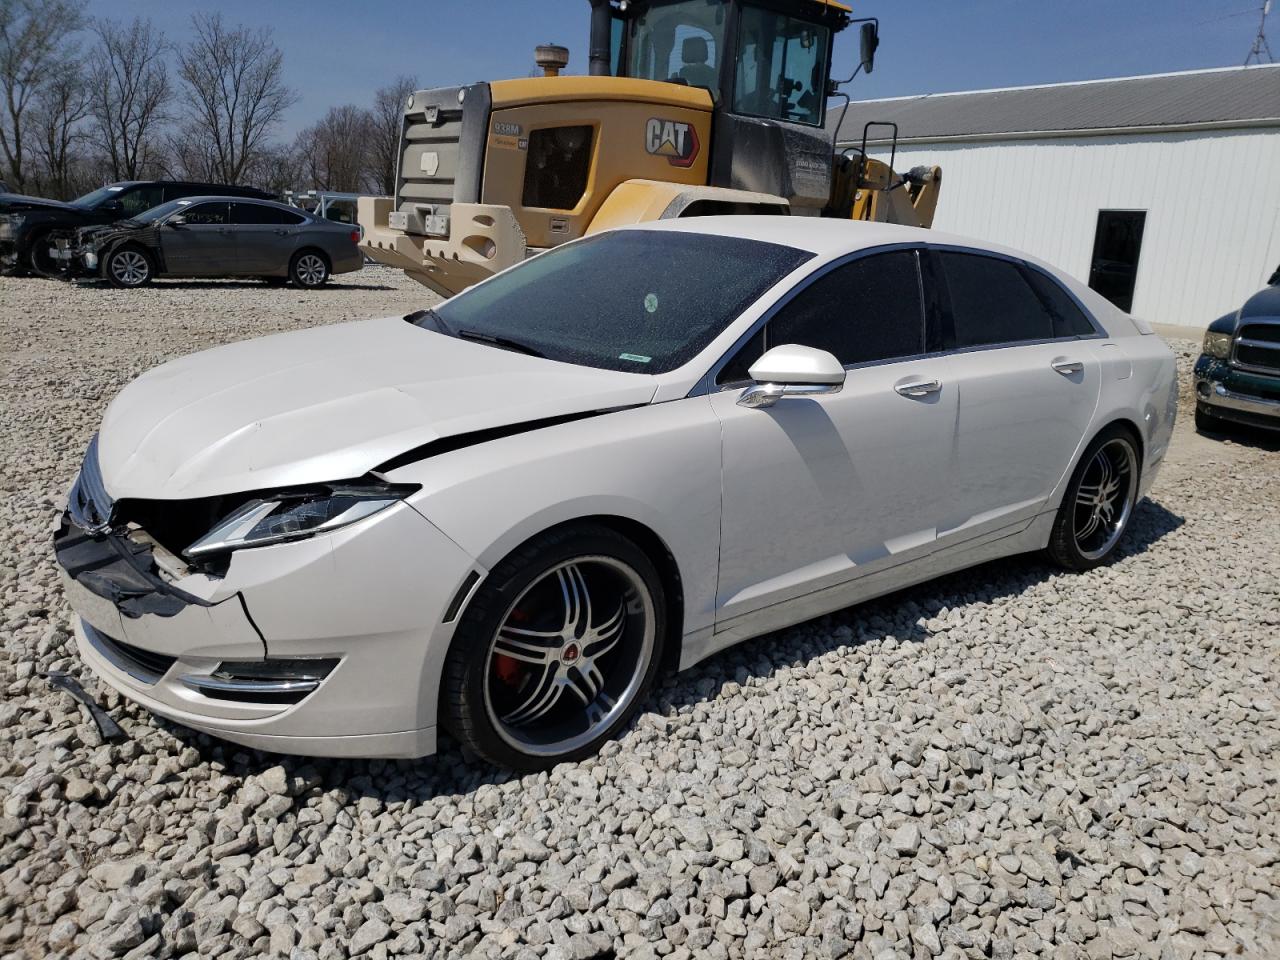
(1098, 503)
(557, 649)
(128, 267)
(308, 269)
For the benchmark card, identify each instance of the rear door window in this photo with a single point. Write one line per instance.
(991, 302)
(1068, 319)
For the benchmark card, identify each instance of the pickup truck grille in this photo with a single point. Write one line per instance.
(1257, 347)
(442, 143)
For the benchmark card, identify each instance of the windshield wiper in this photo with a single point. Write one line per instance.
(506, 343)
(433, 320)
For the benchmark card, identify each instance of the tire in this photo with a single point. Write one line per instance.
(308, 269)
(1205, 422)
(536, 675)
(39, 263)
(128, 267)
(1099, 501)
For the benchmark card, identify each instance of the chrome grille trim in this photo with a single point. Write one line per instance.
(1248, 337)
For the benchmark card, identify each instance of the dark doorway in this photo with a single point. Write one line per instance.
(1116, 245)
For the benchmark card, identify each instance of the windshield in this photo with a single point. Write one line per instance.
(641, 301)
(679, 41)
(96, 197)
(160, 212)
(781, 69)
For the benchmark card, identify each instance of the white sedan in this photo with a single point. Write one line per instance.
(503, 516)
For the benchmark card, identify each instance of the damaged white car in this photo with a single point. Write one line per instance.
(503, 516)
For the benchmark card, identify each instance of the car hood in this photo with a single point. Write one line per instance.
(6, 199)
(329, 403)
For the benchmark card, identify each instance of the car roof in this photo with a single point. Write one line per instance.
(826, 237)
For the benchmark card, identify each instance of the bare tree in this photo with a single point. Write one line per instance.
(335, 150)
(60, 109)
(384, 141)
(35, 42)
(131, 96)
(236, 91)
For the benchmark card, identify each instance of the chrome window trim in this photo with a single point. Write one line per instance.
(707, 383)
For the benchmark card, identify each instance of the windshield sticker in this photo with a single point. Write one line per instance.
(651, 303)
(634, 357)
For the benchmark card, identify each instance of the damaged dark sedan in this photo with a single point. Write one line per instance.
(211, 237)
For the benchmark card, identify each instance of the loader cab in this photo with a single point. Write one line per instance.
(766, 63)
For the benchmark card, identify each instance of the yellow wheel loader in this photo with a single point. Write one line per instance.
(690, 108)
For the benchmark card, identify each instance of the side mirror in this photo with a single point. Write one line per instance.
(870, 39)
(113, 206)
(792, 370)
(175, 221)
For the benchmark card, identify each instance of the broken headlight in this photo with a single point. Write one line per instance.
(293, 516)
(1218, 344)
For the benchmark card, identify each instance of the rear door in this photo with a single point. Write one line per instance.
(1028, 383)
(266, 237)
(201, 246)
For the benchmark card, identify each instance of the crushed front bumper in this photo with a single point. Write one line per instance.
(1240, 396)
(347, 627)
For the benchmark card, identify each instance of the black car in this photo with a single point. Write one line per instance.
(25, 222)
(1238, 373)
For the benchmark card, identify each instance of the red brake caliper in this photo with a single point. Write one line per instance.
(510, 670)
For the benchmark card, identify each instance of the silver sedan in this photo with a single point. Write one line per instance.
(505, 515)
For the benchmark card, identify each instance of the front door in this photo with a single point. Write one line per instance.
(201, 246)
(818, 491)
(1027, 379)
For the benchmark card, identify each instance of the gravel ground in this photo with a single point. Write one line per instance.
(1009, 762)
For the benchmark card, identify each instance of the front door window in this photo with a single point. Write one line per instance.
(781, 69)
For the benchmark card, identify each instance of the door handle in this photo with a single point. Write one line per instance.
(1067, 367)
(282, 233)
(918, 388)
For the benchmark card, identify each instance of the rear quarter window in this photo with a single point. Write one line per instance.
(991, 302)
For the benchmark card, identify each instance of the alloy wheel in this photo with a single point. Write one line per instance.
(310, 270)
(130, 268)
(570, 655)
(1104, 498)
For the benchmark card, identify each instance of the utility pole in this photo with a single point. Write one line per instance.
(1260, 46)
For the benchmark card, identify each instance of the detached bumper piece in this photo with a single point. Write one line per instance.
(284, 681)
(120, 570)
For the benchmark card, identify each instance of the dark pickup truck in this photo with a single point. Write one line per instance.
(1238, 373)
(26, 222)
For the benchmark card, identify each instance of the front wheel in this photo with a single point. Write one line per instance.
(1099, 502)
(308, 269)
(557, 649)
(127, 267)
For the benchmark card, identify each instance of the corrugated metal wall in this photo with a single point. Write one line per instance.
(1212, 234)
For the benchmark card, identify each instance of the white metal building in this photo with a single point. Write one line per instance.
(1163, 190)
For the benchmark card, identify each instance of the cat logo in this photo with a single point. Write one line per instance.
(676, 141)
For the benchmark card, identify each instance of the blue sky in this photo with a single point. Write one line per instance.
(337, 51)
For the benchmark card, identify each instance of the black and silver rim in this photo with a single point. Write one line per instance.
(310, 270)
(129, 267)
(1105, 498)
(570, 656)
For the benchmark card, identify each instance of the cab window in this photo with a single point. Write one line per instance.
(781, 68)
(678, 41)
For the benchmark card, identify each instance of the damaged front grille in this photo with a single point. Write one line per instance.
(142, 665)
